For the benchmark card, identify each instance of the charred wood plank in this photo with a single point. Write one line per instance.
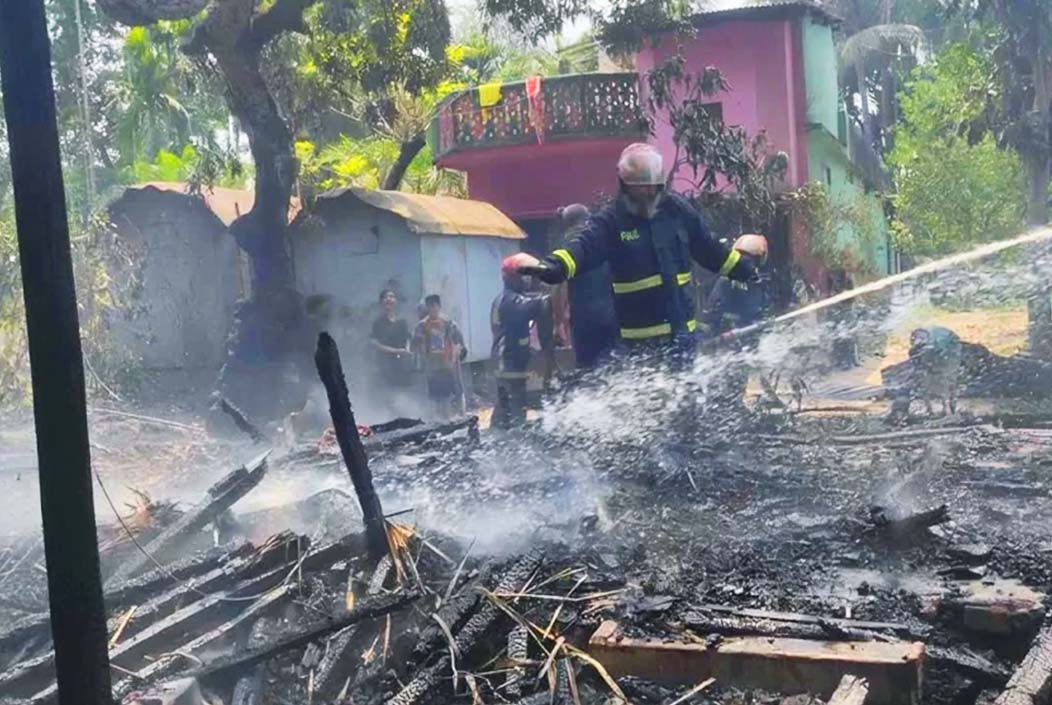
(706, 610)
(175, 661)
(240, 420)
(421, 434)
(368, 608)
(338, 651)
(29, 676)
(249, 688)
(969, 664)
(327, 360)
(210, 610)
(1031, 684)
(729, 625)
(454, 613)
(512, 581)
(518, 652)
(219, 498)
(851, 691)
(910, 525)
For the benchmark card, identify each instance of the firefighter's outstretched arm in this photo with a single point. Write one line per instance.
(582, 253)
(713, 256)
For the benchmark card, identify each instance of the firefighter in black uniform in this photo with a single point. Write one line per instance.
(511, 316)
(649, 237)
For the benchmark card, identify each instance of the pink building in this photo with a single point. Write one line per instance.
(779, 58)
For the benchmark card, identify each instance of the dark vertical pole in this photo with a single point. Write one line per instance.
(327, 359)
(78, 619)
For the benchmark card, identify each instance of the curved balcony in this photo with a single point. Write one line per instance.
(599, 105)
(528, 173)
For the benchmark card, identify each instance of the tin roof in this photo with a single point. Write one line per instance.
(710, 8)
(227, 203)
(437, 215)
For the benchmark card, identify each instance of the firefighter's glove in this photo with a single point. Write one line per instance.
(547, 271)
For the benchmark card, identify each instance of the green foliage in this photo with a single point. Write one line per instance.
(843, 230)
(955, 186)
(953, 195)
(160, 104)
(364, 163)
(109, 366)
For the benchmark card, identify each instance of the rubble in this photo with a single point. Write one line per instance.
(746, 565)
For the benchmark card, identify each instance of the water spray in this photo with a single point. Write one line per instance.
(740, 335)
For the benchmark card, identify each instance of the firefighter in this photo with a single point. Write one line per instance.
(648, 236)
(593, 323)
(736, 304)
(511, 316)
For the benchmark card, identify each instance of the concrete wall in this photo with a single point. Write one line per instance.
(762, 62)
(190, 284)
(820, 74)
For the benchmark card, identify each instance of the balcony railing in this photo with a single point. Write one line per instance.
(577, 106)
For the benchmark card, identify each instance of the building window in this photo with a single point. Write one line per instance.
(829, 176)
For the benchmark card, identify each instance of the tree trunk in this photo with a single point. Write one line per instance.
(1038, 165)
(269, 352)
(1039, 304)
(406, 154)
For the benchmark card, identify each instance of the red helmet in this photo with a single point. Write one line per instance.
(641, 165)
(509, 268)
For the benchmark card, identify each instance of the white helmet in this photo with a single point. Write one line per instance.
(641, 165)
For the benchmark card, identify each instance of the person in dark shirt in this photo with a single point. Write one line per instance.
(390, 340)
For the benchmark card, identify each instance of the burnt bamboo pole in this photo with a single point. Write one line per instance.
(78, 619)
(327, 360)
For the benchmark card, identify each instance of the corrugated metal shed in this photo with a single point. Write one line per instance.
(438, 215)
(708, 8)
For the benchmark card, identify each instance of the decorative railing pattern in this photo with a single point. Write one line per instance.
(584, 105)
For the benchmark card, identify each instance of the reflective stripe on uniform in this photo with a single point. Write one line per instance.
(524, 341)
(648, 283)
(648, 332)
(654, 331)
(730, 262)
(567, 259)
(638, 285)
(501, 374)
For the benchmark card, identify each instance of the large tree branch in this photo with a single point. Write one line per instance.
(283, 16)
(406, 154)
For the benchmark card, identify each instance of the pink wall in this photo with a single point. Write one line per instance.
(532, 181)
(763, 63)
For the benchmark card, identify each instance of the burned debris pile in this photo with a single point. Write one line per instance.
(833, 562)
